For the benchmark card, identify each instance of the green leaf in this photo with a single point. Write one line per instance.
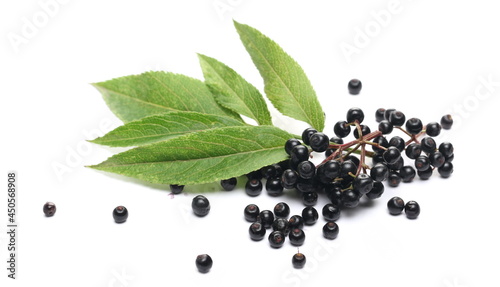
(202, 157)
(150, 93)
(286, 84)
(162, 127)
(234, 92)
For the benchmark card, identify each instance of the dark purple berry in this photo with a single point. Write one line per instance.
(407, 173)
(200, 205)
(433, 129)
(394, 179)
(350, 198)
(229, 184)
(354, 86)
(289, 179)
(281, 210)
(299, 154)
(354, 114)
(414, 126)
(342, 129)
(446, 148)
(306, 169)
(310, 215)
(413, 150)
(397, 165)
(347, 167)
(385, 127)
(395, 205)
(306, 135)
(319, 142)
(257, 231)
(379, 115)
(328, 171)
(398, 143)
(274, 187)
(49, 209)
(446, 169)
(253, 187)
(387, 113)
(397, 118)
(331, 212)
(330, 230)
(204, 263)
(446, 122)
(364, 131)
(412, 209)
(276, 239)
(437, 159)
(297, 237)
(428, 145)
(391, 155)
(251, 212)
(120, 214)
(298, 260)
(422, 163)
(309, 198)
(296, 221)
(425, 174)
(290, 144)
(363, 183)
(266, 217)
(379, 172)
(176, 189)
(377, 190)
(280, 224)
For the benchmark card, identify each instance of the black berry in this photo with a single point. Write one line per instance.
(290, 144)
(412, 209)
(229, 184)
(433, 129)
(120, 214)
(319, 142)
(280, 224)
(394, 179)
(354, 86)
(176, 189)
(385, 127)
(49, 209)
(350, 198)
(306, 169)
(251, 212)
(253, 187)
(414, 126)
(330, 230)
(276, 239)
(413, 150)
(437, 159)
(379, 115)
(298, 260)
(363, 183)
(289, 179)
(425, 174)
(446, 169)
(310, 215)
(200, 205)
(395, 205)
(407, 173)
(257, 231)
(446, 122)
(266, 217)
(428, 145)
(331, 212)
(274, 187)
(306, 134)
(342, 129)
(281, 210)
(377, 190)
(296, 221)
(354, 114)
(391, 155)
(297, 237)
(397, 142)
(397, 118)
(422, 163)
(446, 148)
(379, 172)
(204, 263)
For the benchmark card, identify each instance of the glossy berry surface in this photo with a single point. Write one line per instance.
(319, 142)
(446, 122)
(388, 112)
(350, 198)
(276, 239)
(298, 260)
(176, 189)
(49, 209)
(296, 221)
(433, 129)
(257, 231)
(414, 126)
(425, 174)
(253, 187)
(306, 135)
(354, 86)
(274, 187)
(281, 210)
(379, 115)
(395, 205)
(290, 144)
(306, 169)
(363, 183)
(446, 148)
(289, 178)
(407, 173)
(412, 209)
(446, 169)
(341, 129)
(437, 159)
(385, 127)
(310, 215)
(120, 214)
(364, 131)
(330, 230)
(397, 118)
(200, 205)
(299, 154)
(413, 150)
(428, 145)
(394, 179)
(309, 198)
(251, 212)
(422, 163)
(379, 172)
(377, 190)
(229, 184)
(355, 114)
(330, 212)
(397, 142)
(280, 224)
(266, 217)
(204, 263)
(297, 237)
(391, 155)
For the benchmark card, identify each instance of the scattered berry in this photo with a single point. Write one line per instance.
(257, 231)
(330, 230)
(276, 239)
(280, 224)
(446, 122)
(412, 209)
(296, 221)
(297, 237)
(200, 205)
(354, 86)
(253, 187)
(298, 260)
(251, 212)
(120, 214)
(176, 189)
(49, 209)
(331, 212)
(281, 210)
(204, 263)
(395, 205)
(310, 215)
(266, 217)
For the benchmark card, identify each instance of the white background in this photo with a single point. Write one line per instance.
(426, 58)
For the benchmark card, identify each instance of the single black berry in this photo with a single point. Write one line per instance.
(347, 168)
(377, 190)
(354, 86)
(309, 198)
(281, 210)
(200, 205)
(363, 183)
(266, 217)
(388, 112)
(330, 230)
(310, 215)
(379, 172)
(204, 263)
(413, 150)
(414, 126)
(289, 179)
(428, 145)
(176, 189)
(298, 260)
(385, 127)
(280, 224)
(306, 134)
(397, 142)
(319, 142)
(331, 212)
(273, 170)
(407, 173)
(425, 174)
(394, 179)
(422, 163)
(120, 214)
(251, 212)
(306, 169)
(49, 209)
(433, 129)
(446, 122)
(229, 184)
(354, 114)
(297, 236)
(446, 169)
(437, 159)
(276, 239)
(342, 129)
(446, 148)
(450, 157)
(350, 198)
(334, 193)
(412, 209)
(299, 154)
(364, 131)
(328, 171)
(391, 155)
(274, 187)
(253, 187)
(395, 205)
(296, 221)
(397, 118)
(379, 114)
(257, 231)
(290, 144)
